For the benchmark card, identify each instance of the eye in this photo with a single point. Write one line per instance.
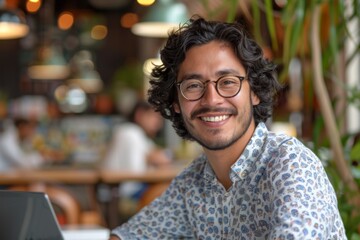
(192, 85)
(229, 82)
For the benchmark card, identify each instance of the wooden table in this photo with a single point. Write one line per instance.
(92, 178)
(165, 174)
(80, 183)
(64, 176)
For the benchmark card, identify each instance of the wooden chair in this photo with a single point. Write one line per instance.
(153, 191)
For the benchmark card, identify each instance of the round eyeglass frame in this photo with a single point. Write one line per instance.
(241, 78)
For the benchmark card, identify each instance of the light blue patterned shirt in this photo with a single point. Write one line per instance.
(280, 191)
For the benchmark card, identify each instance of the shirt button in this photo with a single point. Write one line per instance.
(226, 194)
(244, 174)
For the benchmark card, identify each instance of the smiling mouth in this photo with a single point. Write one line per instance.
(215, 118)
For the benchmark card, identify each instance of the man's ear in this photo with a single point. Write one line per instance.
(176, 107)
(254, 99)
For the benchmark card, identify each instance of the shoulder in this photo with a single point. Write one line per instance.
(290, 161)
(280, 152)
(277, 144)
(274, 147)
(194, 171)
(128, 130)
(9, 136)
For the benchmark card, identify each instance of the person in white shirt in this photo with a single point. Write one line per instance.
(132, 147)
(16, 149)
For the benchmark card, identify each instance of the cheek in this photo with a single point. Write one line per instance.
(184, 108)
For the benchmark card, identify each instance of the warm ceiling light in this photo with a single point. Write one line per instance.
(60, 93)
(145, 2)
(32, 6)
(75, 101)
(84, 74)
(128, 20)
(99, 32)
(12, 23)
(49, 64)
(65, 20)
(162, 17)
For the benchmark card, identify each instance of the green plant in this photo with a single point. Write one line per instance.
(328, 18)
(129, 76)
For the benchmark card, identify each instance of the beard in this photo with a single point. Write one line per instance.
(244, 118)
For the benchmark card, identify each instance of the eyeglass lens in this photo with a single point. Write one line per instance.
(226, 86)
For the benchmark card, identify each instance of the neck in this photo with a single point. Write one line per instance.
(222, 160)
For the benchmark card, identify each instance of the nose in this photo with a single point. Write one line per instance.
(211, 96)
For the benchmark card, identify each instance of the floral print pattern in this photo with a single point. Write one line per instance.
(280, 191)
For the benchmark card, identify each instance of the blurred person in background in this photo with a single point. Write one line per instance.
(16, 146)
(133, 148)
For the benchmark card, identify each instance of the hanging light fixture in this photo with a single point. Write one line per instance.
(162, 17)
(12, 23)
(49, 62)
(83, 73)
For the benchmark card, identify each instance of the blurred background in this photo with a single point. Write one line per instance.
(79, 66)
(89, 57)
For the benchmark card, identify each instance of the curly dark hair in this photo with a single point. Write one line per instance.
(197, 31)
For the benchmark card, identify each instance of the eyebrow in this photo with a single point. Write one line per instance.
(218, 74)
(191, 76)
(228, 71)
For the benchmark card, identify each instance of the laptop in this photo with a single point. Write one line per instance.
(30, 216)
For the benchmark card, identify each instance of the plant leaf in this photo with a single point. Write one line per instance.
(297, 27)
(232, 10)
(355, 152)
(270, 23)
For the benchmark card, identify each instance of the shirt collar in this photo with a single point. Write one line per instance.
(209, 173)
(242, 167)
(247, 161)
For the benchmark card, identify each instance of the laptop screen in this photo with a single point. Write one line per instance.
(27, 216)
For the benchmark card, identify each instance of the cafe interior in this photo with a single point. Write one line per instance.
(77, 67)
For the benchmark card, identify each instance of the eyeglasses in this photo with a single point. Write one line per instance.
(226, 86)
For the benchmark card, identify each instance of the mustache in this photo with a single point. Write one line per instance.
(205, 110)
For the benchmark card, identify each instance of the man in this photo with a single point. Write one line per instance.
(217, 89)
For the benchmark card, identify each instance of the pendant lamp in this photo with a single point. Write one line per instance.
(161, 18)
(12, 23)
(83, 73)
(49, 64)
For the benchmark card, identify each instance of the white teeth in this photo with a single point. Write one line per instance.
(215, 118)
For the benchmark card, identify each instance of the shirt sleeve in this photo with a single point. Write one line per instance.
(304, 202)
(164, 218)
(16, 157)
